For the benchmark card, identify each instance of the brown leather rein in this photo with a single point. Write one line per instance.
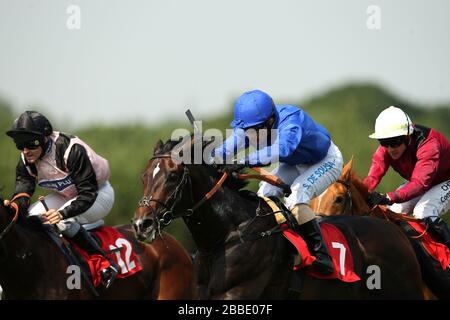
(387, 214)
(168, 214)
(15, 206)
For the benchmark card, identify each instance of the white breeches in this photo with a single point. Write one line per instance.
(433, 203)
(306, 181)
(99, 209)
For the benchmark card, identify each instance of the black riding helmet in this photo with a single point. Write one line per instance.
(30, 125)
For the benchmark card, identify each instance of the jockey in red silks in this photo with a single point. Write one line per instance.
(422, 157)
(308, 160)
(77, 176)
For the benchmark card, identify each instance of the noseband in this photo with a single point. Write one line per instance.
(175, 197)
(348, 203)
(169, 215)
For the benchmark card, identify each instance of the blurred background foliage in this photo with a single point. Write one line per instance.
(348, 112)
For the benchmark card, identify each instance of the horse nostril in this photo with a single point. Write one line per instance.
(147, 223)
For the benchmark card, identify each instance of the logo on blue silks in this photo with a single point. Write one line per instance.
(58, 185)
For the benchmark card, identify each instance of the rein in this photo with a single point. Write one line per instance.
(267, 177)
(387, 215)
(15, 206)
(168, 215)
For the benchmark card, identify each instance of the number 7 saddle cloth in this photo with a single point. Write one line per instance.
(336, 244)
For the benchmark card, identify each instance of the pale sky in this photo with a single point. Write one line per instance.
(150, 60)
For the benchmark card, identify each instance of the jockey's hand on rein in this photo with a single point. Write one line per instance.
(376, 198)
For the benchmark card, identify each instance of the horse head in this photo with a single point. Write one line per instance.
(345, 196)
(164, 182)
(168, 188)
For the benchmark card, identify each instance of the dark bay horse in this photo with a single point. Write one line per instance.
(33, 267)
(238, 259)
(348, 196)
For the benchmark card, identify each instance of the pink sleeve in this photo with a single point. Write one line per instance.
(377, 170)
(423, 174)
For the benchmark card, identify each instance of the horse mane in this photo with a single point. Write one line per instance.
(213, 170)
(381, 211)
(358, 184)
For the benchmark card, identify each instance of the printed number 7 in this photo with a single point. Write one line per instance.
(127, 265)
(341, 247)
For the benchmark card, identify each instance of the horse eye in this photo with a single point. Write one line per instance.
(339, 199)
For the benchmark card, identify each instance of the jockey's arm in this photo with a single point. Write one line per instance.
(235, 143)
(285, 144)
(83, 174)
(378, 169)
(422, 176)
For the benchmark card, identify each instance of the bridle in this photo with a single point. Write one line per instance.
(175, 197)
(348, 202)
(169, 213)
(15, 206)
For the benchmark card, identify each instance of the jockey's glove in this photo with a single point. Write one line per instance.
(376, 198)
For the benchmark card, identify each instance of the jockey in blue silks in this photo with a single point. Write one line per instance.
(308, 159)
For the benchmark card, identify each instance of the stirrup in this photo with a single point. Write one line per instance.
(108, 276)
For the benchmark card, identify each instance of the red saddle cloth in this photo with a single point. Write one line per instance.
(436, 250)
(337, 247)
(110, 239)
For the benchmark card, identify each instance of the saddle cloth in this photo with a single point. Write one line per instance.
(119, 249)
(336, 243)
(436, 250)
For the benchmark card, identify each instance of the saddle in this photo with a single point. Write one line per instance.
(72, 255)
(281, 213)
(112, 243)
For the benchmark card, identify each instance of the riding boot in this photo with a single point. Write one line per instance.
(85, 240)
(310, 232)
(440, 230)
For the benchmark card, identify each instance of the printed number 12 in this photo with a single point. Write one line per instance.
(127, 265)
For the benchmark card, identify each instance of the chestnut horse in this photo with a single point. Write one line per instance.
(348, 196)
(33, 267)
(240, 254)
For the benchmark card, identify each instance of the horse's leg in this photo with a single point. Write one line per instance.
(176, 283)
(176, 278)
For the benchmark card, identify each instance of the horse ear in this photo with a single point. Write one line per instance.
(158, 147)
(347, 170)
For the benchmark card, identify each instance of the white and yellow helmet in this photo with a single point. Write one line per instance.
(392, 122)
